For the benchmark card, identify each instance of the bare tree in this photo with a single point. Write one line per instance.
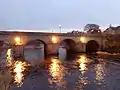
(92, 28)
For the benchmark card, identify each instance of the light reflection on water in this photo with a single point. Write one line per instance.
(9, 57)
(82, 80)
(18, 69)
(83, 63)
(57, 70)
(100, 72)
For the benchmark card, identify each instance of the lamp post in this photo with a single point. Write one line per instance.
(60, 27)
(52, 30)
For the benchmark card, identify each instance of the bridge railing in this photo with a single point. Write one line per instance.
(46, 34)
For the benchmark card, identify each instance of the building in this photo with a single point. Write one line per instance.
(112, 30)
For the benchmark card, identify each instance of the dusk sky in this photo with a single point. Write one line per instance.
(46, 14)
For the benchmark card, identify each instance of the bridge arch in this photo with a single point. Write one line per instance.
(92, 46)
(36, 44)
(35, 41)
(68, 44)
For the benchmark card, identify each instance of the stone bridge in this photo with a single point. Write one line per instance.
(73, 42)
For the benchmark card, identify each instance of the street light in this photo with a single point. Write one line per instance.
(83, 39)
(17, 40)
(54, 39)
(60, 27)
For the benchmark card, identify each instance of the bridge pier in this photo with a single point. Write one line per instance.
(52, 49)
(80, 47)
(18, 52)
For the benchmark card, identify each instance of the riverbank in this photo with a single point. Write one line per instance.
(112, 50)
(107, 53)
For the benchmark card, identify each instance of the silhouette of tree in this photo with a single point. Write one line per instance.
(92, 28)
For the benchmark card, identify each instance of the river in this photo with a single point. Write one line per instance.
(78, 72)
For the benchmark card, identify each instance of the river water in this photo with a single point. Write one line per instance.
(74, 72)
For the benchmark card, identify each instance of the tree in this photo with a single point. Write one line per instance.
(92, 28)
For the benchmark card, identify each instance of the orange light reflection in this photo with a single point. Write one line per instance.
(9, 57)
(56, 70)
(100, 72)
(82, 61)
(19, 68)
